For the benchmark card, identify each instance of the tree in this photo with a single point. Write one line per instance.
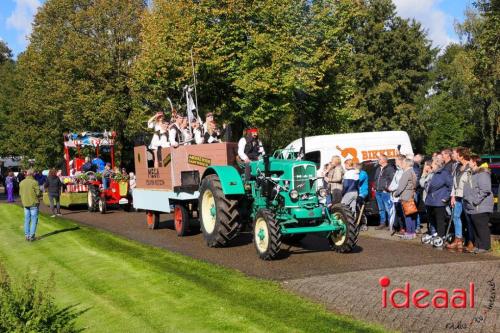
(253, 60)
(391, 65)
(9, 91)
(76, 72)
(5, 52)
(480, 31)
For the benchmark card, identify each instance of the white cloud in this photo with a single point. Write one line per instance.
(22, 17)
(434, 20)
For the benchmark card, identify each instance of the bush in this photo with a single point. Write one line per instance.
(29, 307)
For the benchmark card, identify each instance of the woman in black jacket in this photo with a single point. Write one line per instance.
(54, 185)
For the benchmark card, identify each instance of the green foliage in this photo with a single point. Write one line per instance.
(76, 72)
(5, 52)
(30, 307)
(253, 59)
(391, 66)
(480, 31)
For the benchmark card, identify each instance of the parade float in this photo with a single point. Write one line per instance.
(86, 188)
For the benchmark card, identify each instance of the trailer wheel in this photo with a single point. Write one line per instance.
(339, 241)
(218, 215)
(152, 220)
(181, 220)
(266, 235)
(102, 205)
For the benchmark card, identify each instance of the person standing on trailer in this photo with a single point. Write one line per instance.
(175, 132)
(187, 135)
(159, 139)
(197, 132)
(250, 149)
(212, 131)
(99, 164)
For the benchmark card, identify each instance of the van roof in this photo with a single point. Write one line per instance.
(320, 140)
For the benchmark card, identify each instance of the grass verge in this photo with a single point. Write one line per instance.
(130, 287)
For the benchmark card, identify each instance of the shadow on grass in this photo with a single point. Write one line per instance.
(58, 232)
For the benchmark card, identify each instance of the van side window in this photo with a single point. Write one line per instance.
(314, 156)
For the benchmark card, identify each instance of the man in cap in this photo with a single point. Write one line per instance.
(250, 149)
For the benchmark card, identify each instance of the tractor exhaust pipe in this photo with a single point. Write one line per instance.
(267, 168)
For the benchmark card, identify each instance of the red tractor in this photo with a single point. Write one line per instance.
(99, 197)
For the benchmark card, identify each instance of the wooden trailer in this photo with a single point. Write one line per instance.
(173, 186)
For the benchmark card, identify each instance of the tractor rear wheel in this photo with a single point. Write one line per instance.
(181, 220)
(339, 241)
(92, 198)
(152, 220)
(218, 214)
(266, 235)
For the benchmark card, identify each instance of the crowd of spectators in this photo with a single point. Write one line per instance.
(452, 191)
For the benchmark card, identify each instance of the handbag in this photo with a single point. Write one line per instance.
(409, 207)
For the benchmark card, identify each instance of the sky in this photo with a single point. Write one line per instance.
(436, 16)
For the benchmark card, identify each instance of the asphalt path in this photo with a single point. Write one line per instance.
(311, 258)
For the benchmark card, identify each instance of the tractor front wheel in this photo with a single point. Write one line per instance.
(266, 235)
(341, 241)
(181, 220)
(218, 214)
(102, 205)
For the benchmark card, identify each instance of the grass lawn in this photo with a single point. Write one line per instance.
(130, 287)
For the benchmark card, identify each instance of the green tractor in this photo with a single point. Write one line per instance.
(281, 201)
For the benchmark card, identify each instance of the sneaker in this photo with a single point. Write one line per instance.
(58, 214)
(418, 231)
(481, 251)
(456, 245)
(380, 227)
(364, 227)
(408, 236)
(53, 215)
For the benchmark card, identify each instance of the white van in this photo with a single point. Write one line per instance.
(357, 146)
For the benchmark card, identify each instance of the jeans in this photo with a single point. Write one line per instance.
(57, 208)
(385, 205)
(349, 199)
(30, 220)
(410, 223)
(105, 183)
(457, 221)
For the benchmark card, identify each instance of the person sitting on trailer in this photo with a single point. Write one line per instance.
(159, 140)
(197, 131)
(175, 132)
(212, 131)
(250, 149)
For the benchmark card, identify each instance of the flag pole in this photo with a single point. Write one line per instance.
(195, 92)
